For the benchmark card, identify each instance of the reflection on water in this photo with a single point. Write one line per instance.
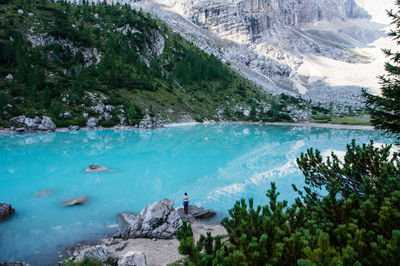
(216, 164)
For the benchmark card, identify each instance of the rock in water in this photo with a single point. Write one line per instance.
(47, 124)
(100, 252)
(75, 201)
(157, 220)
(96, 168)
(6, 211)
(135, 258)
(195, 212)
(18, 121)
(43, 193)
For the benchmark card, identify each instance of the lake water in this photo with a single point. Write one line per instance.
(237, 161)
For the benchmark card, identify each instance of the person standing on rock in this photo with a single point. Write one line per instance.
(186, 203)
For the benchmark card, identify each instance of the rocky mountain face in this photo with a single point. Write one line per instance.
(290, 46)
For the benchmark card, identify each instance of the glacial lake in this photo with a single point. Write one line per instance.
(237, 161)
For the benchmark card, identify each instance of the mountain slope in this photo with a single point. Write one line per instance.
(114, 65)
(322, 51)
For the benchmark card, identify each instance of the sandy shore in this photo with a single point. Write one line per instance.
(158, 252)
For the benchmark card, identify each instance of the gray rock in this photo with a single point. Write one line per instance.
(47, 124)
(92, 122)
(99, 108)
(9, 77)
(85, 115)
(6, 210)
(71, 127)
(110, 108)
(96, 168)
(198, 212)
(18, 121)
(43, 193)
(20, 129)
(123, 246)
(75, 201)
(157, 220)
(107, 116)
(133, 258)
(32, 123)
(100, 252)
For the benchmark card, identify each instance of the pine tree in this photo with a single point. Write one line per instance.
(385, 109)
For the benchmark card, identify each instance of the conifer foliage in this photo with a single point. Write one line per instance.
(348, 214)
(385, 109)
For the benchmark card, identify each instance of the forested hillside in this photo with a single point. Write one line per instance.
(117, 66)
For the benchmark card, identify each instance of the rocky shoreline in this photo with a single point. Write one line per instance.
(9, 131)
(148, 238)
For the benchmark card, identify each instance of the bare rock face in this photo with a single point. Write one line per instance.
(6, 211)
(75, 201)
(92, 122)
(157, 220)
(131, 258)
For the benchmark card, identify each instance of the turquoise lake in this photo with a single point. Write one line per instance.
(237, 161)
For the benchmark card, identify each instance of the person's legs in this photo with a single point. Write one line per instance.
(186, 209)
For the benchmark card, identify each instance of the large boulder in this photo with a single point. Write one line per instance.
(6, 210)
(196, 213)
(157, 220)
(99, 252)
(133, 258)
(47, 124)
(18, 121)
(92, 122)
(75, 201)
(128, 218)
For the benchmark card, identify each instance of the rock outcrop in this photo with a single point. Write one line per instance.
(157, 220)
(6, 210)
(75, 201)
(131, 258)
(195, 212)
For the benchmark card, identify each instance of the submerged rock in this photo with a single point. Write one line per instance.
(14, 264)
(43, 193)
(136, 258)
(6, 210)
(75, 201)
(157, 220)
(96, 168)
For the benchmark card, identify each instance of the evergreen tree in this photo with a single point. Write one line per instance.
(385, 109)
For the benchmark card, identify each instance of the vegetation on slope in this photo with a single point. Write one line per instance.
(60, 59)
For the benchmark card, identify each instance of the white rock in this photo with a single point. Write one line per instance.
(85, 115)
(110, 108)
(20, 11)
(47, 124)
(9, 77)
(92, 122)
(31, 14)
